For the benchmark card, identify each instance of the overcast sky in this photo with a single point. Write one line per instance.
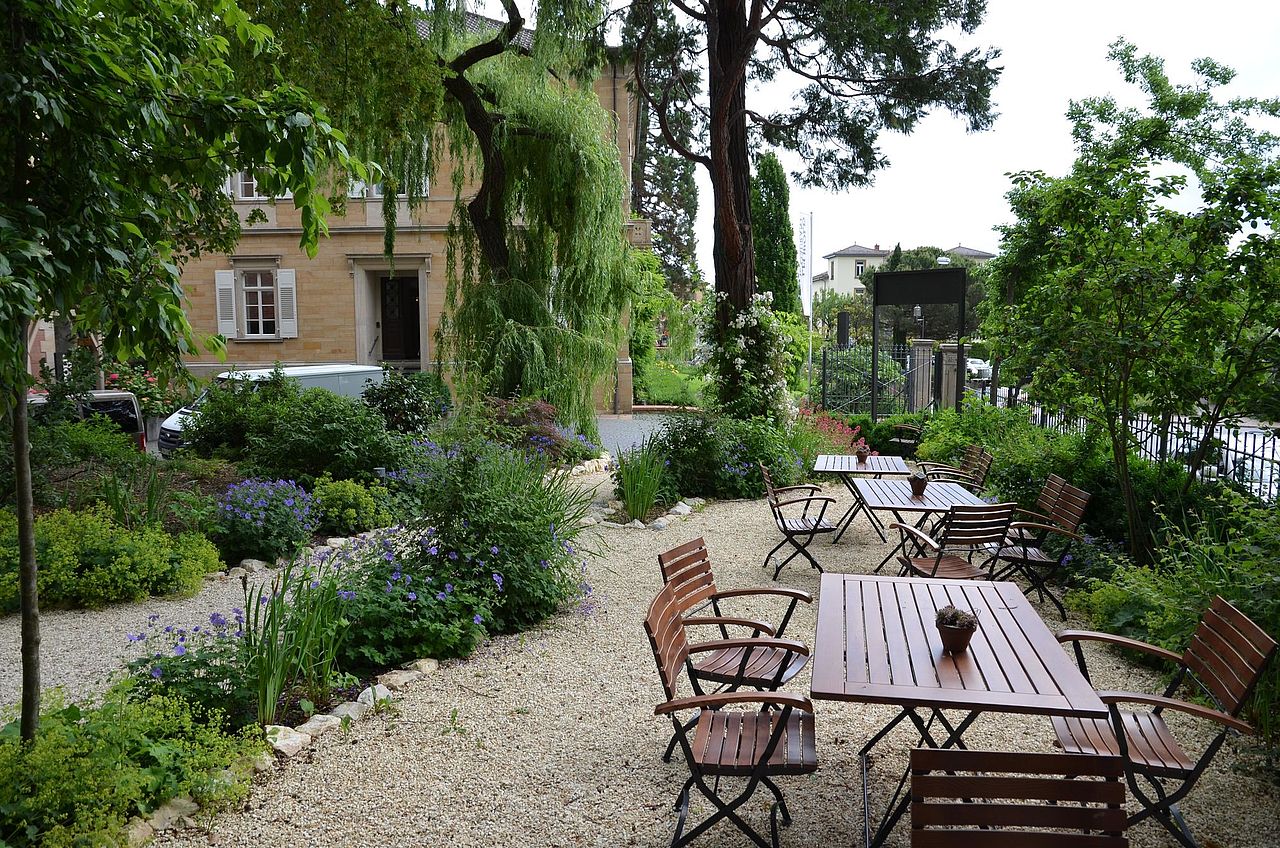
(945, 187)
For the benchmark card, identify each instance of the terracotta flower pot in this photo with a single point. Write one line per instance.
(918, 485)
(955, 640)
(862, 453)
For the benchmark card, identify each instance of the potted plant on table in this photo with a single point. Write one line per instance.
(862, 451)
(955, 627)
(918, 481)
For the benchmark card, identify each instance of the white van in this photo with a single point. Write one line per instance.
(343, 379)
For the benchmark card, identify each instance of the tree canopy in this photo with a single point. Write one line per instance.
(857, 69)
(124, 122)
(773, 237)
(1148, 278)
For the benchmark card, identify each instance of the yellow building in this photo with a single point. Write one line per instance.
(349, 303)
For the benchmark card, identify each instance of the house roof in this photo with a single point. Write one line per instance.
(479, 24)
(858, 250)
(821, 278)
(971, 253)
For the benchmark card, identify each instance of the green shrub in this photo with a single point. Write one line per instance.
(90, 769)
(716, 457)
(69, 458)
(530, 425)
(1231, 552)
(667, 384)
(345, 507)
(87, 559)
(878, 435)
(409, 401)
(639, 478)
(236, 413)
(264, 519)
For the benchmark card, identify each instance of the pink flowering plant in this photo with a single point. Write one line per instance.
(156, 397)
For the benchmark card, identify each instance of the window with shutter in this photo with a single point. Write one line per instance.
(287, 291)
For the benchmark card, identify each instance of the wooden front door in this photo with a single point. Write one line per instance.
(401, 324)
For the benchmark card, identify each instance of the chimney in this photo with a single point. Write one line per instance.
(877, 247)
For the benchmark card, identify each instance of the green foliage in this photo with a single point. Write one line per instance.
(747, 369)
(878, 435)
(1230, 550)
(1117, 300)
(346, 507)
(715, 457)
(828, 305)
(795, 331)
(137, 496)
(235, 412)
(69, 458)
(527, 425)
(672, 385)
(409, 401)
(774, 240)
(90, 769)
(650, 302)
(264, 519)
(157, 396)
(87, 559)
(848, 380)
(638, 478)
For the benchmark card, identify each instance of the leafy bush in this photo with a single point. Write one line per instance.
(92, 768)
(670, 385)
(530, 425)
(711, 456)
(747, 370)
(157, 398)
(203, 665)
(236, 413)
(264, 519)
(345, 507)
(409, 401)
(639, 478)
(1231, 552)
(878, 435)
(87, 559)
(69, 458)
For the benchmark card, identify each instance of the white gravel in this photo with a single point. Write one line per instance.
(549, 738)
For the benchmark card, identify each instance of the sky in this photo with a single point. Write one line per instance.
(945, 186)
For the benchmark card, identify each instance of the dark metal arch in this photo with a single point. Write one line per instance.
(903, 288)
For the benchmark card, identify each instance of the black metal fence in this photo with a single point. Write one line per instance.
(845, 384)
(1248, 455)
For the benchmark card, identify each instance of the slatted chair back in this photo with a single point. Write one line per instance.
(687, 570)
(966, 526)
(665, 627)
(768, 484)
(1068, 509)
(1227, 654)
(981, 467)
(970, 457)
(1049, 494)
(963, 799)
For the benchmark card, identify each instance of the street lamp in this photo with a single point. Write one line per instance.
(918, 314)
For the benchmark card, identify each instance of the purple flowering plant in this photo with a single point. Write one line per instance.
(264, 519)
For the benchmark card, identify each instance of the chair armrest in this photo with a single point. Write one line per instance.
(793, 501)
(918, 535)
(1045, 528)
(945, 476)
(763, 642)
(722, 699)
(757, 626)
(1196, 710)
(940, 466)
(798, 594)
(1121, 641)
(799, 487)
(1035, 516)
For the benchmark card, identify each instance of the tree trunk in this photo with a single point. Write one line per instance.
(1139, 544)
(486, 210)
(729, 47)
(27, 560)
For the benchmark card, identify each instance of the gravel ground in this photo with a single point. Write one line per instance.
(549, 738)
(622, 432)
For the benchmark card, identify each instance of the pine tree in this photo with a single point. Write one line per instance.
(774, 240)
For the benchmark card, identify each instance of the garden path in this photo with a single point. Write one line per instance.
(549, 738)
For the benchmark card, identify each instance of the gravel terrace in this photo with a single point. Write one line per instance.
(549, 738)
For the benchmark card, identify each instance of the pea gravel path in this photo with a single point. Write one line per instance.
(549, 738)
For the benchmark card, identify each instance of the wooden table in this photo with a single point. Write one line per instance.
(876, 643)
(848, 467)
(895, 497)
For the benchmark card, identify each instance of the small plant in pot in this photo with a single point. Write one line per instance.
(918, 481)
(956, 627)
(862, 451)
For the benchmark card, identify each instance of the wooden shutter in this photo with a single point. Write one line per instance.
(287, 293)
(226, 298)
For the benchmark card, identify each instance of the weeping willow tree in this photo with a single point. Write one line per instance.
(537, 269)
(537, 261)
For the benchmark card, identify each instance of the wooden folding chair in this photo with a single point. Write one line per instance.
(1024, 551)
(687, 569)
(762, 663)
(973, 799)
(963, 533)
(969, 465)
(1226, 656)
(906, 437)
(799, 531)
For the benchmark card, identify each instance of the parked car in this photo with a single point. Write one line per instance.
(340, 378)
(977, 369)
(121, 407)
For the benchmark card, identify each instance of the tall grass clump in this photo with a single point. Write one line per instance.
(639, 477)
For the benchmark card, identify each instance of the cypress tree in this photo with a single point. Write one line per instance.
(775, 243)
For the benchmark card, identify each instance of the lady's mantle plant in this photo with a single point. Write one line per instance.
(747, 368)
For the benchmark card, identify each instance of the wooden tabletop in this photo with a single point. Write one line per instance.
(896, 495)
(848, 464)
(876, 642)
